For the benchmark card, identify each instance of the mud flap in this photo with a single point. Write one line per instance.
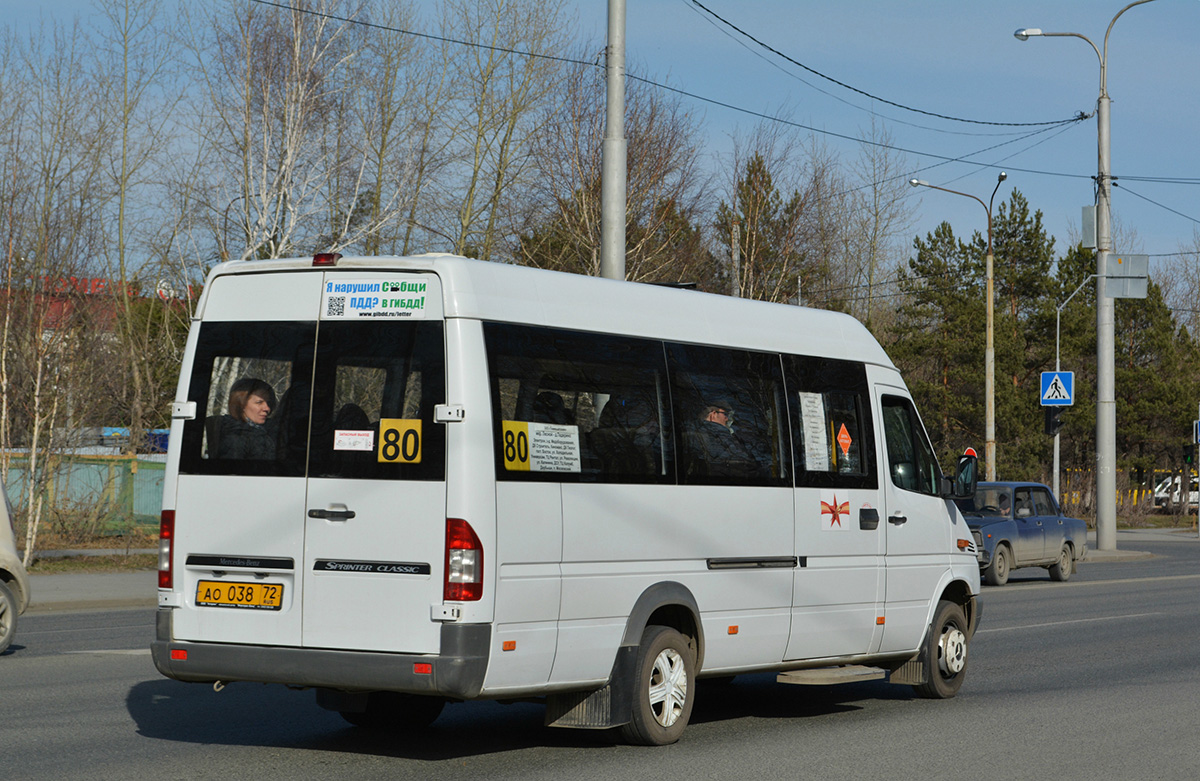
(610, 706)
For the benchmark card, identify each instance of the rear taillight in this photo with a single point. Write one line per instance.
(464, 563)
(166, 542)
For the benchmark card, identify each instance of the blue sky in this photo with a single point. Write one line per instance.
(948, 57)
(960, 59)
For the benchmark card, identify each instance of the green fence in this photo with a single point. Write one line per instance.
(89, 494)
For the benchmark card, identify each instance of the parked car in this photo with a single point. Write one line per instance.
(1020, 525)
(14, 582)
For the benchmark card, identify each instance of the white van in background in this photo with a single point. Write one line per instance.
(407, 481)
(1167, 497)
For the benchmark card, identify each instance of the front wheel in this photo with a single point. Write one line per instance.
(1061, 569)
(996, 573)
(945, 653)
(664, 686)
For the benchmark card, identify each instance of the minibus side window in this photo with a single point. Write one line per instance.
(910, 457)
(578, 407)
(728, 407)
(250, 383)
(831, 423)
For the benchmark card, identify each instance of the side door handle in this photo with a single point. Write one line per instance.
(332, 515)
(897, 520)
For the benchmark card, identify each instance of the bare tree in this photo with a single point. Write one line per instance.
(277, 80)
(500, 83)
(134, 59)
(880, 216)
(665, 189)
(49, 216)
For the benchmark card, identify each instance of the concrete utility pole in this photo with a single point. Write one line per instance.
(612, 174)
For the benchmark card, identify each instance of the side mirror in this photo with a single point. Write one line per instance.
(966, 477)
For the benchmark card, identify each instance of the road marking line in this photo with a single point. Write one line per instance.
(1017, 587)
(118, 652)
(1063, 623)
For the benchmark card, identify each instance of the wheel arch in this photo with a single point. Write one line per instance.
(959, 592)
(666, 603)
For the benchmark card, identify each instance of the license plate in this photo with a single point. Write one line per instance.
(253, 596)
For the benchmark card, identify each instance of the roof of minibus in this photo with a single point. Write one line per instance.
(521, 294)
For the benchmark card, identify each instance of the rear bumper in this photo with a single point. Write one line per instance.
(456, 672)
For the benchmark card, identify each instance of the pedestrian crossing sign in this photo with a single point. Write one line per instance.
(1058, 389)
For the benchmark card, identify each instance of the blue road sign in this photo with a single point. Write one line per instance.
(1058, 389)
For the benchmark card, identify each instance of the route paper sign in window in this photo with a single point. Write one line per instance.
(540, 447)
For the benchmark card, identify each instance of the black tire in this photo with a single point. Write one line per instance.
(664, 687)
(996, 573)
(396, 711)
(946, 648)
(8, 616)
(1061, 569)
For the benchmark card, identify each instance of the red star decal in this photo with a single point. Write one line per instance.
(835, 511)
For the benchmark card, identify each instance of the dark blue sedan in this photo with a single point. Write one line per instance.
(1020, 525)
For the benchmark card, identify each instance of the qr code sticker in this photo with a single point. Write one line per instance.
(336, 306)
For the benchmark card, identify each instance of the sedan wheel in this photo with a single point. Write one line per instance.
(996, 573)
(1061, 569)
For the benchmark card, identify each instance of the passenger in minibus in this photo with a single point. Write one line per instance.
(244, 431)
(720, 452)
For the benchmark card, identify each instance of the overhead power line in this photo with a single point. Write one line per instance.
(1077, 118)
(1044, 126)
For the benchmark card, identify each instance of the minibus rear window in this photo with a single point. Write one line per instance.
(251, 383)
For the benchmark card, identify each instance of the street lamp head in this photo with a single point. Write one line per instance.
(1001, 178)
(918, 182)
(1025, 33)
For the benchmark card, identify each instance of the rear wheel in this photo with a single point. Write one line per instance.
(996, 573)
(396, 711)
(8, 616)
(663, 688)
(1061, 569)
(945, 652)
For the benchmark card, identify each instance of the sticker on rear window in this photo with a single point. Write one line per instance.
(350, 299)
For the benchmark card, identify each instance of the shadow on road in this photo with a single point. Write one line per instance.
(247, 714)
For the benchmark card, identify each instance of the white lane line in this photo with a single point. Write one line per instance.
(1064, 623)
(116, 652)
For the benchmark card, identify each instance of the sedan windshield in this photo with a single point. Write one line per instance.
(990, 502)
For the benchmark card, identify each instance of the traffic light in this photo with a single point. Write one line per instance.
(1189, 454)
(1053, 420)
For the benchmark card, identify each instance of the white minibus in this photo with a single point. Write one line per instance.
(403, 482)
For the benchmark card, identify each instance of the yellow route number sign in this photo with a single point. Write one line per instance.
(516, 445)
(399, 441)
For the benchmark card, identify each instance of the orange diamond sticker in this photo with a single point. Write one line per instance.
(843, 439)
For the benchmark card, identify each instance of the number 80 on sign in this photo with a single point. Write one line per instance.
(399, 441)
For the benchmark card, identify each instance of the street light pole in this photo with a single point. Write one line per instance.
(1106, 405)
(989, 352)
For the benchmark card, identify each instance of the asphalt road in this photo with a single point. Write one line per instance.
(1094, 678)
